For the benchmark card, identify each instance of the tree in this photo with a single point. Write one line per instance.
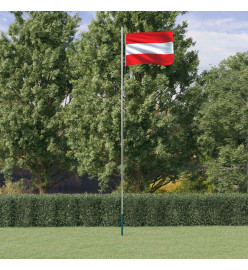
(34, 81)
(158, 112)
(223, 120)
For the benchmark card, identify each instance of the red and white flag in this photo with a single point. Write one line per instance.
(149, 48)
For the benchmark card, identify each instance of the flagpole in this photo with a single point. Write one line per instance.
(122, 135)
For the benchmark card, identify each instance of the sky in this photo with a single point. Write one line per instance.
(218, 34)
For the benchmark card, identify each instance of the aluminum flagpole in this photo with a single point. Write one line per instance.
(122, 137)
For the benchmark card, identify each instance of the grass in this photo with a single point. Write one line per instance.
(216, 242)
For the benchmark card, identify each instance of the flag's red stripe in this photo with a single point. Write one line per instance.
(157, 59)
(149, 37)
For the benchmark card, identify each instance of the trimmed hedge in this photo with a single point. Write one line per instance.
(139, 210)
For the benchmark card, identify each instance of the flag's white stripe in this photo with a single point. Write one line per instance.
(152, 48)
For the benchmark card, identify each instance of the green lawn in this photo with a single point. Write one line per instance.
(219, 242)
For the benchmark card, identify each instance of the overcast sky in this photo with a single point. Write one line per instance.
(218, 34)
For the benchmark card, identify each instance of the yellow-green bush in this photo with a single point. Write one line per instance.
(12, 188)
(187, 184)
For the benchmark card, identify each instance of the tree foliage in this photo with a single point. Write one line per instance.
(223, 120)
(34, 81)
(159, 109)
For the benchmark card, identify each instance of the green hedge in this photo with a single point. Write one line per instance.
(139, 210)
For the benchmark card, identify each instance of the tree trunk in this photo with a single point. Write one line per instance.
(43, 189)
(137, 187)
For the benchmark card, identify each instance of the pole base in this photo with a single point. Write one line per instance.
(122, 224)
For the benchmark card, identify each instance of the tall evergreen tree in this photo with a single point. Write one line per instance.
(158, 135)
(34, 81)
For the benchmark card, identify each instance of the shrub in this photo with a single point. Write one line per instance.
(24, 210)
(89, 210)
(13, 188)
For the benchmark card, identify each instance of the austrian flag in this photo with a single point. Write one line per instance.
(149, 48)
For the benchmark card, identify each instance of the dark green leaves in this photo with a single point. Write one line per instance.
(34, 80)
(223, 120)
(156, 134)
